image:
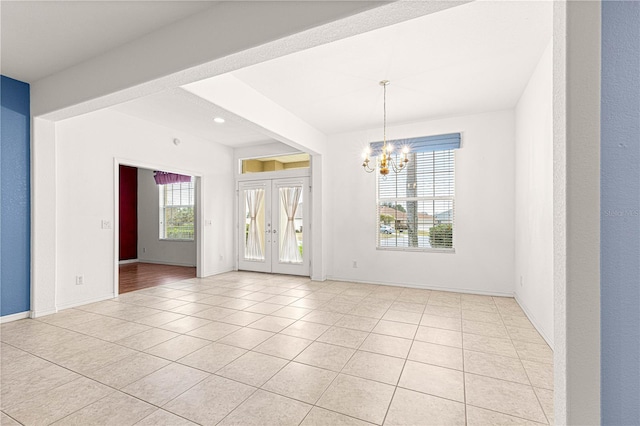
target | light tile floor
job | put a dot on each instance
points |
(255, 349)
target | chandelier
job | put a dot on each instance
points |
(385, 161)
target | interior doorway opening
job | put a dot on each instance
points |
(157, 238)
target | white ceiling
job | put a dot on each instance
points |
(185, 112)
(469, 59)
(40, 38)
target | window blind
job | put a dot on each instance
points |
(416, 208)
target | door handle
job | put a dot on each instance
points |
(275, 231)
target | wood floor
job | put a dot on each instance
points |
(136, 276)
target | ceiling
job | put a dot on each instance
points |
(468, 59)
(465, 60)
(40, 38)
(183, 111)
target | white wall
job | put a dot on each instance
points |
(534, 197)
(150, 247)
(484, 223)
(86, 147)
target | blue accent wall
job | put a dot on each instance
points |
(15, 210)
(620, 215)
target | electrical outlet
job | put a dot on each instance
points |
(521, 281)
(105, 224)
(221, 257)
(355, 264)
(79, 279)
(144, 249)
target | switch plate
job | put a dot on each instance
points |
(79, 279)
(105, 224)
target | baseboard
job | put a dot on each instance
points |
(85, 302)
(320, 278)
(15, 317)
(162, 262)
(218, 272)
(426, 287)
(534, 321)
(127, 261)
(43, 312)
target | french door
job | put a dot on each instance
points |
(273, 234)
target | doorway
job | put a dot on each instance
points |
(274, 221)
(158, 236)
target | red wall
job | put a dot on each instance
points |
(128, 213)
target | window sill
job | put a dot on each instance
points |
(177, 240)
(418, 250)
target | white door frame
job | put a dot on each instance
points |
(199, 212)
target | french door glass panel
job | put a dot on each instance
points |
(255, 232)
(254, 214)
(290, 210)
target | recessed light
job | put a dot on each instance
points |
(219, 120)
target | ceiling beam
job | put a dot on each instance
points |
(227, 37)
(259, 113)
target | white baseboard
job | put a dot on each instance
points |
(15, 317)
(43, 312)
(162, 262)
(85, 301)
(218, 272)
(535, 322)
(125, 262)
(426, 287)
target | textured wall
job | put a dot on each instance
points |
(15, 222)
(620, 214)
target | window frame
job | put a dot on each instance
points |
(162, 211)
(397, 200)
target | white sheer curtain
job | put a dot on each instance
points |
(253, 247)
(289, 251)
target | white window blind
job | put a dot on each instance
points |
(177, 211)
(416, 207)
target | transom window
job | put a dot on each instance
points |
(177, 211)
(415, 208)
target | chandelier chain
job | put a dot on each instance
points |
(384, 109)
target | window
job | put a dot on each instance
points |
(176, 211)
(416, 206)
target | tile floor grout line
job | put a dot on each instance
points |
(464, 371)
(351, 357)
(282, 368)
(289, 362)
(525, 370)
(404, 364)
(506, 414)
(15, 420)
(114, 389)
